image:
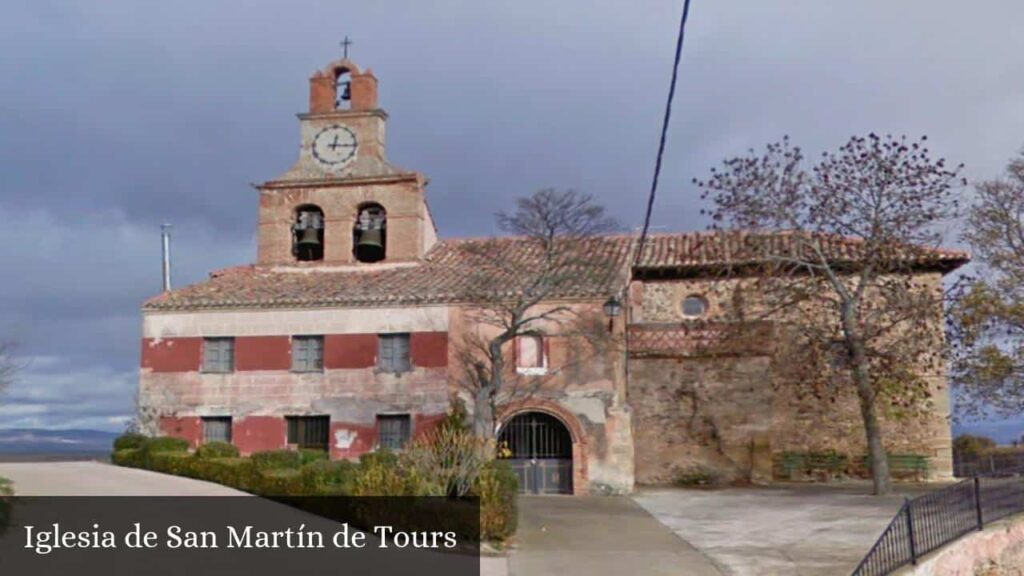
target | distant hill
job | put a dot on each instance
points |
(29, 442)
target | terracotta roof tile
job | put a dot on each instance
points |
(452, 273)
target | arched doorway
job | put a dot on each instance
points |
(541, 452)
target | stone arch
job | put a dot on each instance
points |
(567, 418)
(572, 424)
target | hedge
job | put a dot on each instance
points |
(217, 450)
(277, 459)
(280, 473)
(129, 440)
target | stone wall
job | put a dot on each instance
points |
(998, 550)
(730, 413)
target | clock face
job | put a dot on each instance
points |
(334, 146)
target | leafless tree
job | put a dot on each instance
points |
(528, 292)
(833, 253)
(9, 365)
(987, 320)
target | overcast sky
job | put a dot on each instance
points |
(118, 115)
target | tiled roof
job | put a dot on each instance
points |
(697, 250)
(452, 272)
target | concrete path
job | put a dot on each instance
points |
(800, 530)
(598, 536)
(101, 479)
(98, 479)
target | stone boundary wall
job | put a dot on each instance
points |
(998, 550)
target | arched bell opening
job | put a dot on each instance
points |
(540, 449)
(308, 233)
(369, 235)
(342, 89)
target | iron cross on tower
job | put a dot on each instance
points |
(345, 44)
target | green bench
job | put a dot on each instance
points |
(790, 465)
(903, 465)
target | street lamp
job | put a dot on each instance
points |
(612, 308)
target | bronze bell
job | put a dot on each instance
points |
(371, 246)
(308, 239)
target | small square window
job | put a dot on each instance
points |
(311, 432)
(217, 429)
(218, 355)
(308, 354)
(393, 430)
(393, 353)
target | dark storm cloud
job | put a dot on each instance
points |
(116, 116)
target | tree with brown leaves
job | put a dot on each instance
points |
(987, 320)
(832, 254)
(526, 296)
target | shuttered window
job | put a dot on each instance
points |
(217, 429)
(393, 353)
(309, 431)
(393, 430)
(218, 355)
(308, 353)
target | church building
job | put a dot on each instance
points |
(341, 336)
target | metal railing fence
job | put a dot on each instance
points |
(933, 520)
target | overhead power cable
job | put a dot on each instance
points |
(664, 132)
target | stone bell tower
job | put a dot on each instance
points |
(342, 203)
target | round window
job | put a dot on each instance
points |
(694, 306)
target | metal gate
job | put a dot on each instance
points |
(541, 449)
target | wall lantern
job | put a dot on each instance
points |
(612, 307)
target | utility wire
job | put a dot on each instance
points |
(664, 133)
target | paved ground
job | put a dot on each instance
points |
(597, 536)
(801, 530)
(101, 479)
(96, 479)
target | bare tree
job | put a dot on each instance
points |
(528, 292)
(9, 365)
(987, 320)
(842, 278)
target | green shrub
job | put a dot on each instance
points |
(330, 477)
(6, 491)
(164, 444)
(217, 450)
(385, 473)
(450, 456)
(380, 475)
(280, 482)
(277, 459)
(177, 463)
(971, 446)
(498, 488)
(382, 457)
(238, 473)
(129, 441)
(308, 456)
(130, 457)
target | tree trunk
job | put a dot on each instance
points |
(483, 414)
(866, 395)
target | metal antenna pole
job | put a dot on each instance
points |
(165, 239)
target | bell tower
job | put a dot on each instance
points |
(342, 203)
